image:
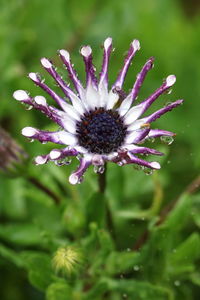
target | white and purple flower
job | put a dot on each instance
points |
(97, 124)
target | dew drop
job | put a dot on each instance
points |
(136, 268)
(168, 103)
(167, 139)
(148, 171)
(31, 140)
(27, 106)
(99, 169)
(177, 283)
(44, 142)
(138, 167)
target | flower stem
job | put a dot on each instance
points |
(102, 180)
(43, 188)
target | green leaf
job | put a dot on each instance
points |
(59, 291)
(11, 256)
(182, 258)
(21, 234)
(39, 269)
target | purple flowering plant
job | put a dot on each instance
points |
(97, 124)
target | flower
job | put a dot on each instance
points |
(97, 125)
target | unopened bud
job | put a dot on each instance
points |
(12, 156)
(67, 259)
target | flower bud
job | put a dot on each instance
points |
(12, 156)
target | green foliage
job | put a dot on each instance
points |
(140, 239)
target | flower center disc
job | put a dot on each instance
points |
(101, 131)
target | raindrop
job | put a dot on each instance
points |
(168, 103)
(177, 283)
(99, 169)
(62, 162)
(27, 106)
(136, 268)
(120, 163)
(169, 91)
(31, 140)
(167, 139)
(44, 142)
(138, 167)
(148, 171)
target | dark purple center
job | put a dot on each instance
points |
(101, 131)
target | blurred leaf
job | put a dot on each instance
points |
(39, 269)
(95, 209)
(11, 256)
(59, 291)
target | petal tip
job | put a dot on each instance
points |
(46, 63)
(155, 165)
(65, 54)
(86, 51)
(107, 43)
(29, 131)
(40, 100)
(170, 80)
(73, 179)
(20, 95)
(136, 45)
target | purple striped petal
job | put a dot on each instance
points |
(47, 65)
(135, 160)
(76, 176)
(64, 55)
(154, 133)
(142, 150)
(135, 46)
(39, 82)
(58, 137)
(86, 52)
(127, 102)
(106, 56)
(162, 111)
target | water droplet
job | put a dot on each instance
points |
(120, 163)
(44, 142)
(148, 171)
(31, 140)
(168, 103)
(62, 161)
(138, 167)
(99, 169)
(136, 268)
(27, 106)
(167, 139)
(177, 283)
(169, 91)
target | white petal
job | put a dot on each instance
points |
(126, 104)
(69, 109)
(80, 149)
(67, 138)
(112, 100)
(131, 136)
(78, 104)
(69, 124)
(103, 93)
(92, 97)
(133, 114)
(136, 125)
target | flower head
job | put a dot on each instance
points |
(67, 259)
(97, 124)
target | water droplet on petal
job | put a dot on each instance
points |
(99, 169)
(167, 139)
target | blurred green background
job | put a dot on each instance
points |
(32, 226)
